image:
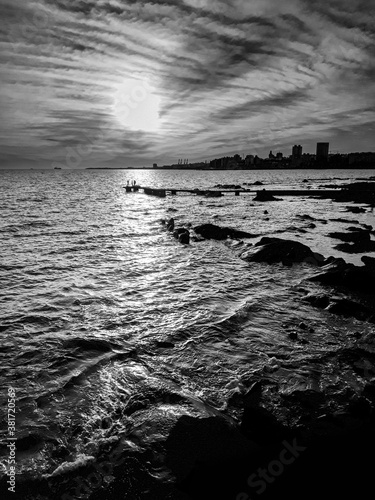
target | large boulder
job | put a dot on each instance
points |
(352, 236)
(348, 276)
(350, 308)
(369, 262)
(272, 250)
(213, 232)
(361, 246)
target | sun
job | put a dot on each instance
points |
(136, 105)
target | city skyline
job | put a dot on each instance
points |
(129, 83)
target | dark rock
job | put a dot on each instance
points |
(164, 345)
(360, 407)
(228, 186)
(369, 262)
(347, 276)
(272, 250)
(212, 232)
(178, 231)
(293, 335)
(349, 308)
(265, 196)
(265, 212)
(358, 247)
(353, 236)
(28, 442)
(195, 441)
(258, 183)
(184, 237)
(321, 301)
(303, 326)
(213, 194)
(261, 426)
(356, 210)
(170, 224)
(345, 221)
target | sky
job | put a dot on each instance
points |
(136, 82)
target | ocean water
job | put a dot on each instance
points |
(111, 330)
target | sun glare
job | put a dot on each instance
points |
(136, 106)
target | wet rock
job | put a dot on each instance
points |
(350, 309)
(28, 442)
(369, 262)
(213, 232)
(356, 210)
(213, 194)
(265, 196)
(261, 426)
(353, 236)
(347, 276)
(196, 442)
(178, 231)
(358, 247)
(164, 344)
(228, 186)
(184, 237)
(360, 407)
(293, 335)
(345, 221)
(321, 301)
(273, 250)
(170, 224)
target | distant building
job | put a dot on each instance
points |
(297, 152)
(271, 156)
(322, 150)
(279, 156)
(154, 165)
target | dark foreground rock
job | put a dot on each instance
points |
(182, 235)
(362, 246)
(213, 232)
(369, 263)
(273, 250)
(341, 306)
(348, 276)
(353, 236)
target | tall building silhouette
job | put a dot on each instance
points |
(322, 150)
(297, 152)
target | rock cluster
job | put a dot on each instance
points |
(213, 232)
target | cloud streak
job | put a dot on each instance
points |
(221, 77)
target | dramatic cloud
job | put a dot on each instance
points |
(130, 82)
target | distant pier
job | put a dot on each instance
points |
(215, 193)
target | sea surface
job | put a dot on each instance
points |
(111, 330)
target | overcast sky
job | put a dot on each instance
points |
(132, 82)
